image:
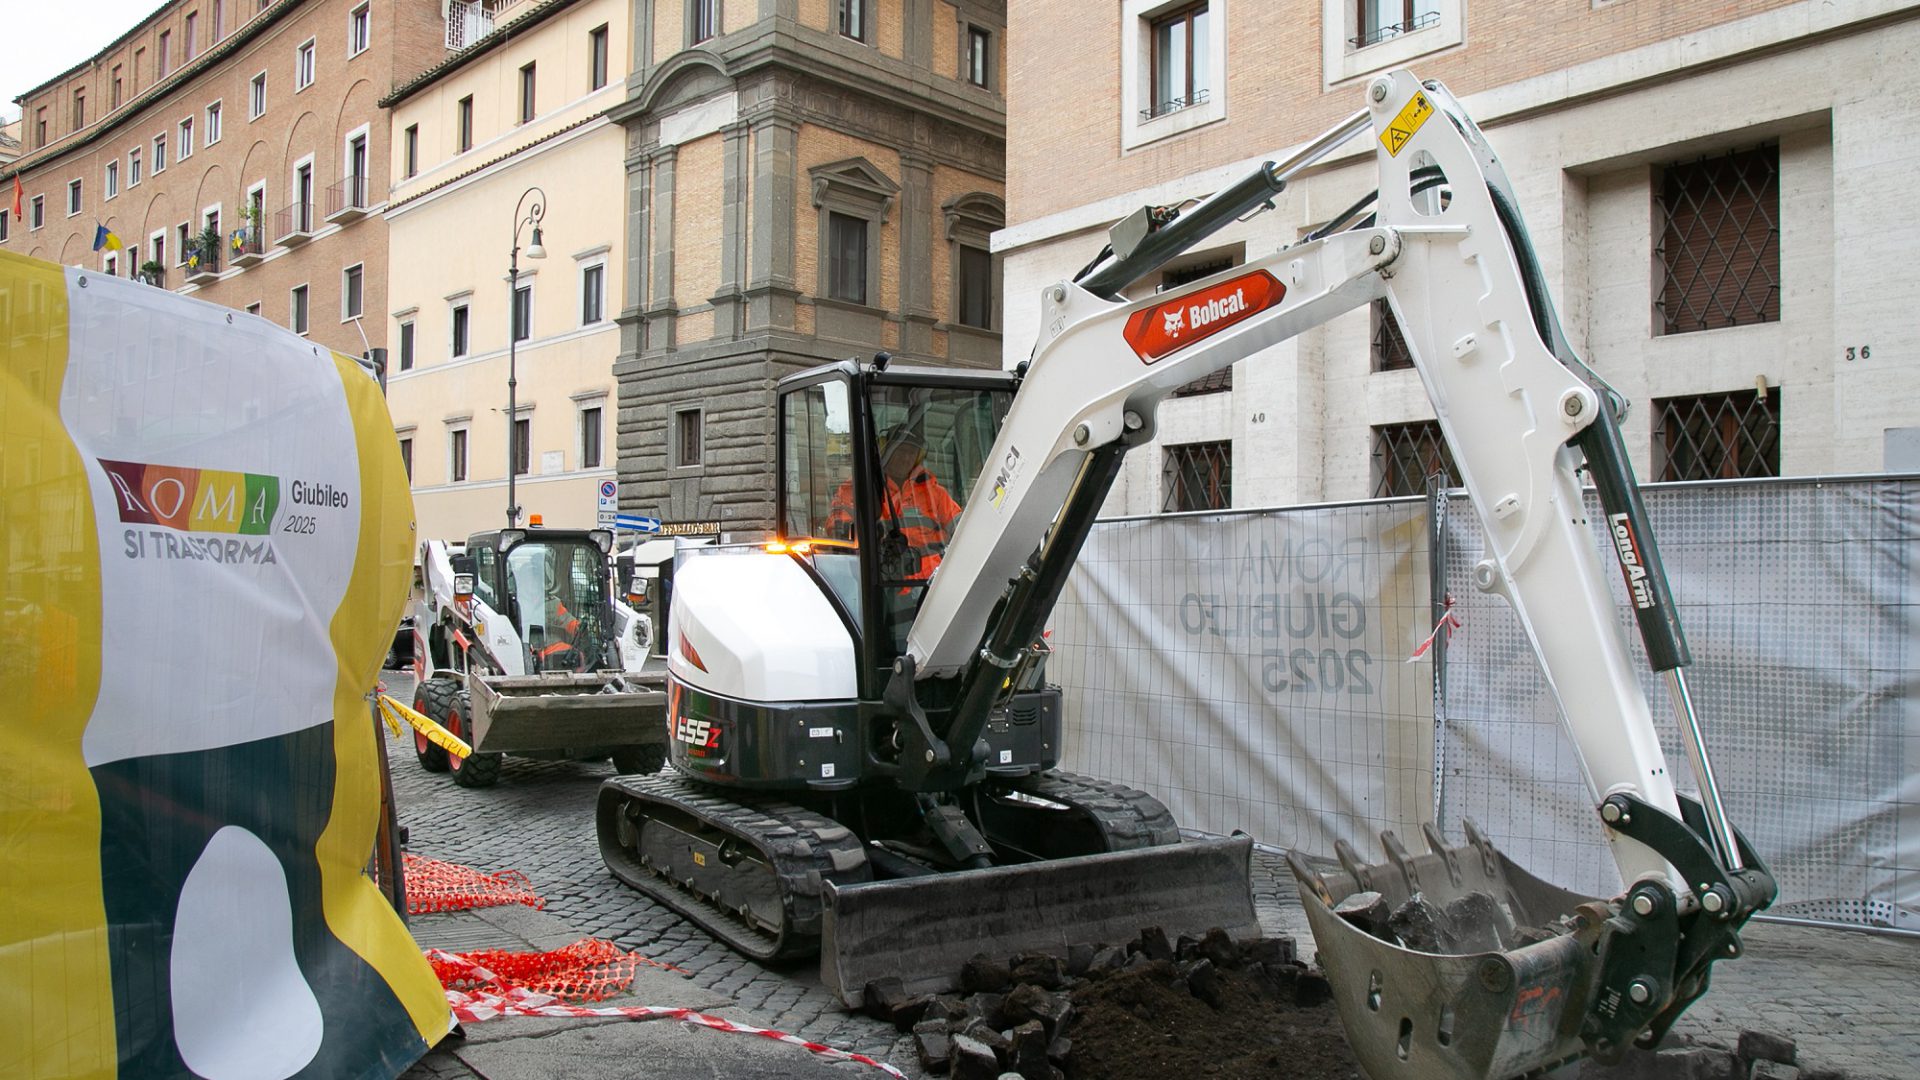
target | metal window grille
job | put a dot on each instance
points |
(1373, 30)
(1198, 476)
(1221, 380)
(687, 452)
(1717, 436)
(522, 446)
(1404, 455)
(1390, 352)
(1719, 252)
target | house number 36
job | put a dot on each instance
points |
(1865, 352)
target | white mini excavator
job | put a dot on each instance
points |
(864, 751)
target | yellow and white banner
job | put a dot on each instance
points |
(208, 536)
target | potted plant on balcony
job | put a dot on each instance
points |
(203, 252)
(152, 271)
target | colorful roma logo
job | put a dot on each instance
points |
(193, 500)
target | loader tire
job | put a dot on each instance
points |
(474, 770)
(431, 700)
(639, 760)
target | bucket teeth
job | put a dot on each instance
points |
(1459, 968)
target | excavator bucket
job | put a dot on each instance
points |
(1452, 965)
(923, 929)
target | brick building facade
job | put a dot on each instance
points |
(1710, 188)
(237, 151)
(807, 180)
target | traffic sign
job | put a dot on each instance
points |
(609, 495)
(636, 523)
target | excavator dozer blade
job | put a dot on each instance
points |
(1494, 985)
(924, 929)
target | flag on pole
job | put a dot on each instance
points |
(102, 238)
(19, 193)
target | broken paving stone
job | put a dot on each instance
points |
(1079, 959)
(1218, 947)
(973, 1060)
(986, 1007)
(1273, 952)
(1153, 944)
(1029, 1002)
(1046, 972)
(1704, 1063)
(1203, 982)
(1476, 924)
(1028, 1055)
(1766, 1046)
(1419, 925)
(1773, 1070)
(883, 996)
(986, 1034)
(945, 1008)
(983, 973)
(1108, 958)
(1186, 948)
(933, 1045)
(1366, 910)
(1059, 1049)
(911, 1012)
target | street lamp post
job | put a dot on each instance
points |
(531, 216)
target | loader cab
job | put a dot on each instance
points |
(874, 466)
(551, 587)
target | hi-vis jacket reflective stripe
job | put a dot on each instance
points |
(924, 509)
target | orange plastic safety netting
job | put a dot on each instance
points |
(433, 886)
(587, 970)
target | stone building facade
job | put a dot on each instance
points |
(516, 119)
(249, 124)
(807, 180)
(1711, 188)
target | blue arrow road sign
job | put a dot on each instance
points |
(636, 523)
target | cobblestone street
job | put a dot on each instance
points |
(1846, 998)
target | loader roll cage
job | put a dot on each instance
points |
(551, 584)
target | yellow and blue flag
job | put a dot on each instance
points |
(105, 238)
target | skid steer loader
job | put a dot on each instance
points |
(521, 648)
(864, 741)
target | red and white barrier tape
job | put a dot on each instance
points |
(520, 1002)
(1449, 622)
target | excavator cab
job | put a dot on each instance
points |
(876, 463)
(551, 585)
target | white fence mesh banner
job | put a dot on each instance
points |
(1799, 600)
(1249, 669)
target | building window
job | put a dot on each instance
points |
(457, 455)
(410, 150)
(213, 123)
(111, 265)
(352, 292)
(975, 288)
(979, 56)
(139, 64)
(297, 316)
(157, 245)
(253, 308)
(133, 167)
(1717, 436)
(6, 218)
(1197, 476)
(1719, 254)
(459, 326)
(302, 197)
(852, 17)
(526, 93)
(846, 258)
(703, 20)
(465, 123)
(185, 150)
(590, 438)
(593, 279)
(406, 346)
(597, 58)
(359, 30)
(219, 23)
(113, 178)
(257, 96)
(687, 435)
(1379, 20)
(159, 154)
(163, 62)
(522, 312)
(186, 50)
(79, 109)
(73, 197)
(182, 243)
(1404, 455)
(522, 445)
(303, 66)
(39, 213)
(40, 126)
(1389, 346)
(113, 95)
(406, 458)
(1179, 75)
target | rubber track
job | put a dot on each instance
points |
(1129, 818)
(803, 848)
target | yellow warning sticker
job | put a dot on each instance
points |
(1406, 124)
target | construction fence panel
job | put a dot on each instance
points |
(1799, 601)
(1250, 668)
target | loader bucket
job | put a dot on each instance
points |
(1500, 985)
(924, 929)
(554, 711)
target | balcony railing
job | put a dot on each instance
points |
(294, 225)
(467, 22)
(203, 265)
(246, 247)
(347, 200)
(1394, 30)
(1174, 105)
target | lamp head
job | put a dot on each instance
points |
(535, 251)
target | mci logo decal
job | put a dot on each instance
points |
(1157, 331)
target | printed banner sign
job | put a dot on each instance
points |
(209, 536)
